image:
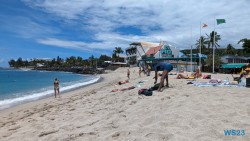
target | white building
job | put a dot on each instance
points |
(235, 59)
(165, 52)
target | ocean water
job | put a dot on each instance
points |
(20, 86)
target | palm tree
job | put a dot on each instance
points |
(230, 50)
(245, 45)
(203, 42)
(213, 38)
(71, 61)
(79, 61)
(91, 59)
(59, 61)
(117, 51)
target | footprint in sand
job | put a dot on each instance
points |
(15, 128)
(193, 124)
(248, 110)
(159, 137)
(47, 133)
(120, 134)
(133, 102)
(90, 133)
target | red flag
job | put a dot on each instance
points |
(204, 25)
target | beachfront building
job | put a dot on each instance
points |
(121, 62)
(137, 50)
(162, 52)
(171, 54)
(235, 59)
(234, 64)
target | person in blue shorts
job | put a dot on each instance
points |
(166, 68)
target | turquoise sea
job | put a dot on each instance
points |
(21, 86)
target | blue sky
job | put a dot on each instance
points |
(51, 28)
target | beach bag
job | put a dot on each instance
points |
(141, 91)
(248, 82)
(145, 92)
(148, 93)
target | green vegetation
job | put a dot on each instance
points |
(230, 50)
(207, 49)
(245, 45)
(61, 63)
(212, 40)
(116, 53)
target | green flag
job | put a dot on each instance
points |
(220, 21)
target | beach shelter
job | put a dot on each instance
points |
(238, 67)
(233, 66)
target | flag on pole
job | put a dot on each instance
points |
(220, 21)
(204, 25)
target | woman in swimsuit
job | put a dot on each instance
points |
(56, 87)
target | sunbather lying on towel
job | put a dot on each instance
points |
(123, 89)
(123, 82)
(183, 76)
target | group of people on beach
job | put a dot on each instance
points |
(161, 66)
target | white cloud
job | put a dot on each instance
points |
(63, 43)
(24, 27)
(172, 19)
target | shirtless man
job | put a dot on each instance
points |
(166, 68)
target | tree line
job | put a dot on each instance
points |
(68, 62)
(60, 62)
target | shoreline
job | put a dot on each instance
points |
(180, 112)
(15, 102)
(45, 99)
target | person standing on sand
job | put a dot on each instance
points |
(56, 87)
(166, 68)
(140, 71)
(128, 74)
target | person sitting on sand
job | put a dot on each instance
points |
(239, 78)
(166, 68)
(198, 73)
(242, 81)
(56, 87)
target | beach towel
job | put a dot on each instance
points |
(207, 84)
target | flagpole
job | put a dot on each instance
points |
(200, 49)
(191, 60)
(214, 44)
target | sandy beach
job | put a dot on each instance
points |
(180, 113)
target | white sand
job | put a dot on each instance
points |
(94, 113)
